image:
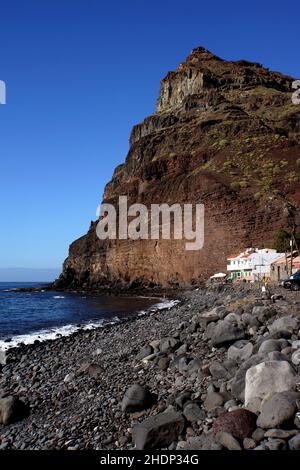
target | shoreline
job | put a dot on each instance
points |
(74, 386)
(57, 332)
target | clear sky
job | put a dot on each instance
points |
(79, 75)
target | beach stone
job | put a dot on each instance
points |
(275, 444)
(296, 344)
(225, 333)
(94, 370)
(294, 443)
(194, 366)
(287, 351)
(249, 443)
(183, 398)
(239, 423)
(233, 318)
(209, 332)
(230, 404)
(263, 313)
(269, 345)
(227, 441)
(193, 412)
(240, 351)
(163, 363)
(288, 323)
(281, 433)
(258, 434)
(144, 352)
(182, 349)
(182, 364)
(69, 377)
(12, 409)
(212, 400)
(136, 398)
(208, 317)
(218, 371)
(97, 352)
(277, 356)
(249, 320)
(203, 442)
(155, 345)
(158, 431)
(167, 344)
(297, 420)
(278, 410)
(265, 378)
(238, 383)
(296, 357)
(149, 358)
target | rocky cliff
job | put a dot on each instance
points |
(225, 134)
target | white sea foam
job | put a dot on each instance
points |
(67, 330)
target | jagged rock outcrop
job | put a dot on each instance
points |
(225, 134)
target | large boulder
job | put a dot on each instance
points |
(158, 431)
(136, 398)
(267, 378)
(239, 423)
(238, 383)
(288, 323)
(226, 333)
(12, 409)
(278, 410)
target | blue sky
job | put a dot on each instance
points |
(79, 75)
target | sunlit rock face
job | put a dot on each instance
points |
(225, 134)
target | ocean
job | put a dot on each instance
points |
(29, 316)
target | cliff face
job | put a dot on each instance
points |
(225, 134)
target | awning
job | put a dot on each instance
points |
(218, 275)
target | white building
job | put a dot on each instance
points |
(252, 264)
